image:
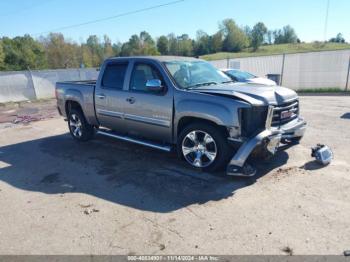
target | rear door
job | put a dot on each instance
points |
(148, 114)
(110, 96)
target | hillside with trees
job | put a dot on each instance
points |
(55, 51)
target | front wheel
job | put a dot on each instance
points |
(203, 146)
(79, 128)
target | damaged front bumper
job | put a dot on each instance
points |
(271, 138)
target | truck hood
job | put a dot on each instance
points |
(254, 94)
(262, 81)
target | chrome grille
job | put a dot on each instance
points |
(291, 109)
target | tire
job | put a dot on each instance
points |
(79, 128)
(194, 142)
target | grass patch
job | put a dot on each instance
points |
(19, 103)
(322, 90)
(279, 49)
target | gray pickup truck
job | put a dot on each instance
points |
(184, 104)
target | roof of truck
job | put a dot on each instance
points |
(160, 58)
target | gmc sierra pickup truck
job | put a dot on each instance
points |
(184, 104)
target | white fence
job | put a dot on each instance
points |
(30, 85)
(298, 71)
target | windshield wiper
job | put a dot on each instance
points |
(203, 84)
(229, 81)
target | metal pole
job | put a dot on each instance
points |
(32, 81)
(228, 62)
(282, 69)
(326, 22)
(347, 77)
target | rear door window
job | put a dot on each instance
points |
(114, 76)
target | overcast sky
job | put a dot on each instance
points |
(18, 17)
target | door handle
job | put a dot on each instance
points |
(101, 96)
(131, 100)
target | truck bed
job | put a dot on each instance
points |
(83, 94)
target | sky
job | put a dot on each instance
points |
(38, 17)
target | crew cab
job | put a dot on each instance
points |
(185, 104)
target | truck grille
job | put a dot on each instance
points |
(284, 113)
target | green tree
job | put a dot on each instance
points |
(163, 45)
(85, 56)
(2, 56)
(173, 44)
(97, 51)
(142, 44)
(257, 35)
(216, 42)
(60, 53)
(22, 53)
(286, 35)
(184, 45)
(338, 39)
(269, 37)
(107, 47)
(202, 43)
(117, 48)
(132, 46)
(148, 45)
(248, 32)
(234, 38)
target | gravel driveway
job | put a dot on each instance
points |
(58, 196)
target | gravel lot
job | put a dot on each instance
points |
(109, 197)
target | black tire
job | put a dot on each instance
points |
(224, 151)
(87, 131)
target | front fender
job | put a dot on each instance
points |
(218, 112)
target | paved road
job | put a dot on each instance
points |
(108, 197)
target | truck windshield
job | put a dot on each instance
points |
(193, 74)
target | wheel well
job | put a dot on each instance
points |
(72, 105)
(185, 121)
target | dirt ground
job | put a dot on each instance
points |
(58, 196)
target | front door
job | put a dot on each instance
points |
(148, 114)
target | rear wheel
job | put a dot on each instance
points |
(79, 128)
(203, 146)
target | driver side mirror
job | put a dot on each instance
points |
(154, 85)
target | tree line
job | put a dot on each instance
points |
(54, 51)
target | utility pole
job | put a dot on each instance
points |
(326, 22)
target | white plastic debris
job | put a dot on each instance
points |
(322, 153)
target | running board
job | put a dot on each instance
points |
(135, 141)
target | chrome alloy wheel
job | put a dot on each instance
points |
(199, 149)
(76, 125)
